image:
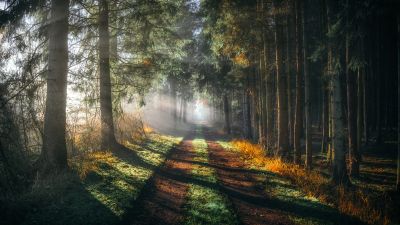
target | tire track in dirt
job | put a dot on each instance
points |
(242, 187)
(163, 198)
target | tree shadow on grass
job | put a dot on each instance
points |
(290, 206)
(152, 146)
(295, 206)
(129, 156)
(64, 201)
(299, 208)
(73, 201)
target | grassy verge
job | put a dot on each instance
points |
(206, 205)
(354, 202)
(97, 190)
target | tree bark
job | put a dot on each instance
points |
(289, 14)
(298, 123)
(378, 85)
(174, 113)
(107, 124)
(185, 111)
(359, 113)
(366, 95)
(351, 104)
(325, 86)
(54, 151)
(283, 139)
(398, 104)
(307, 99)
(339, 170)
(325, 118)
(248, 113)
(255, 104)
(269, 96)
(227, 126)
(262, 96)
(339, 174)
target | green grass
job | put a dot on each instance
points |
(206, 205)
(98, 190)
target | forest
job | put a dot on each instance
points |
(192, 112)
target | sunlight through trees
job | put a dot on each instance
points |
(298, 92)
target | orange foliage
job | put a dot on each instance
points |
(241, 59)
(351, 201)
(147, 62)
(89, 162)
(147, 129)
(130, 128)
(256, 156)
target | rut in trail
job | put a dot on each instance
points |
(163, 198)
(242, 186)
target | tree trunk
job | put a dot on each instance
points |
(181, 109)
(283, 139)
(227, 126)
(398, 103)
(243, 105)
(325, 119)
(359, 113)
(265, 73)
(107, 124)
(307, 105)
(339, 170)
(172, 83)
(339, 174)
(298, 123)
(269, 96)
(254, 105)
(364, 99)
(351, 105)
(247, 116)
(54, 151)
(365, 106)
(378, 85)
(185, 111)
(289, 70)
(330, 114)
(262, 96)
(325, 86)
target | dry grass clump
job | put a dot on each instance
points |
(353, 201)
(358, 203)
(89, 162)
(130, 128)
(86, 139)
(86, 136)
(313, 183)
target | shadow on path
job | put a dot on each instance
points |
(164, 195)
(250, 200)
(161, 200)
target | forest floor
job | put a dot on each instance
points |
(203, 182)
(196, 179)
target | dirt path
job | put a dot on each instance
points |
(243, 188)
(163, 198)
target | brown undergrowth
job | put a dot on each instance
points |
(354, 201)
